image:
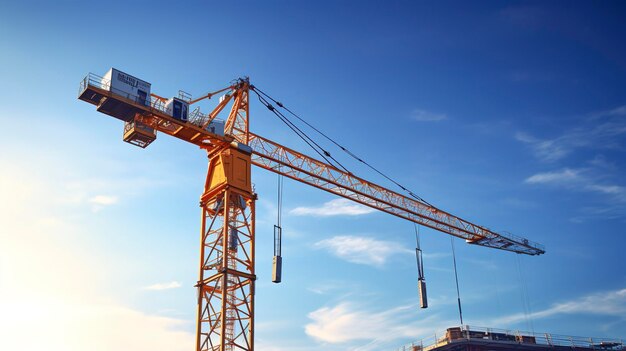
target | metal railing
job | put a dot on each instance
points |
(94, 81)
(99, 82)
(513, 336)
(522, 240)
(196, 117)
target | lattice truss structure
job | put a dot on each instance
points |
(277, 158)
(226, 282)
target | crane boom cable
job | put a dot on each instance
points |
(295, 130)
(315, 146)
(343, 148)
(320, 150)
(418, 253)
(280, 199)
(456, 278)
(525, 296)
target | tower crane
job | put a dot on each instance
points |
(226, 281)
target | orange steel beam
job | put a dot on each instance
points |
(269, 155)
(158, 97)
(210, 95)
(282, 160)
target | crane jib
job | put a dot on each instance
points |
(270, 155)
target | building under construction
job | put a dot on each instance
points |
(465, 338)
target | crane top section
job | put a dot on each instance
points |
(131, 100)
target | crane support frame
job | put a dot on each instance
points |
(226, 281)
(225, 314)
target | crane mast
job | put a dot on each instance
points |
(225, 317)
(226, 281)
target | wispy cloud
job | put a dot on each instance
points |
(99, 202)
(337, 207)
(103, 200)
(325, 288)
(115, 327)
(362, 250)
(546, 150)
(37, 232)
(320, 289)
(601, 130)
(354, 327)
(608, 303)
(427, 116)
(347, 322)
(557, 177)
(618, 111)
(163, 286)
(579, 180)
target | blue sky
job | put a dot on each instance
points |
(509, 114)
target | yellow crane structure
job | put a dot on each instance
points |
(226, 281)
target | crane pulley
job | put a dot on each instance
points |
(226, 282)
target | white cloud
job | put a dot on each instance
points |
(42, 233)
(608, 303)
(163, 286)
(349, 326)
(346, 322)
(99, 202)
(608, 189)
(426, 116)
(579, 180)
(337, 207)
(564, 176)
(103, 200)
(87, 325)
(362, 250)
(602, 130)
(547, 150)
(322, 289)
(618, 111)
(75, 313)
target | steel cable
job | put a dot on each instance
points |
(346, 150)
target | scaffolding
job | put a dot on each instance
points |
(511, 339)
